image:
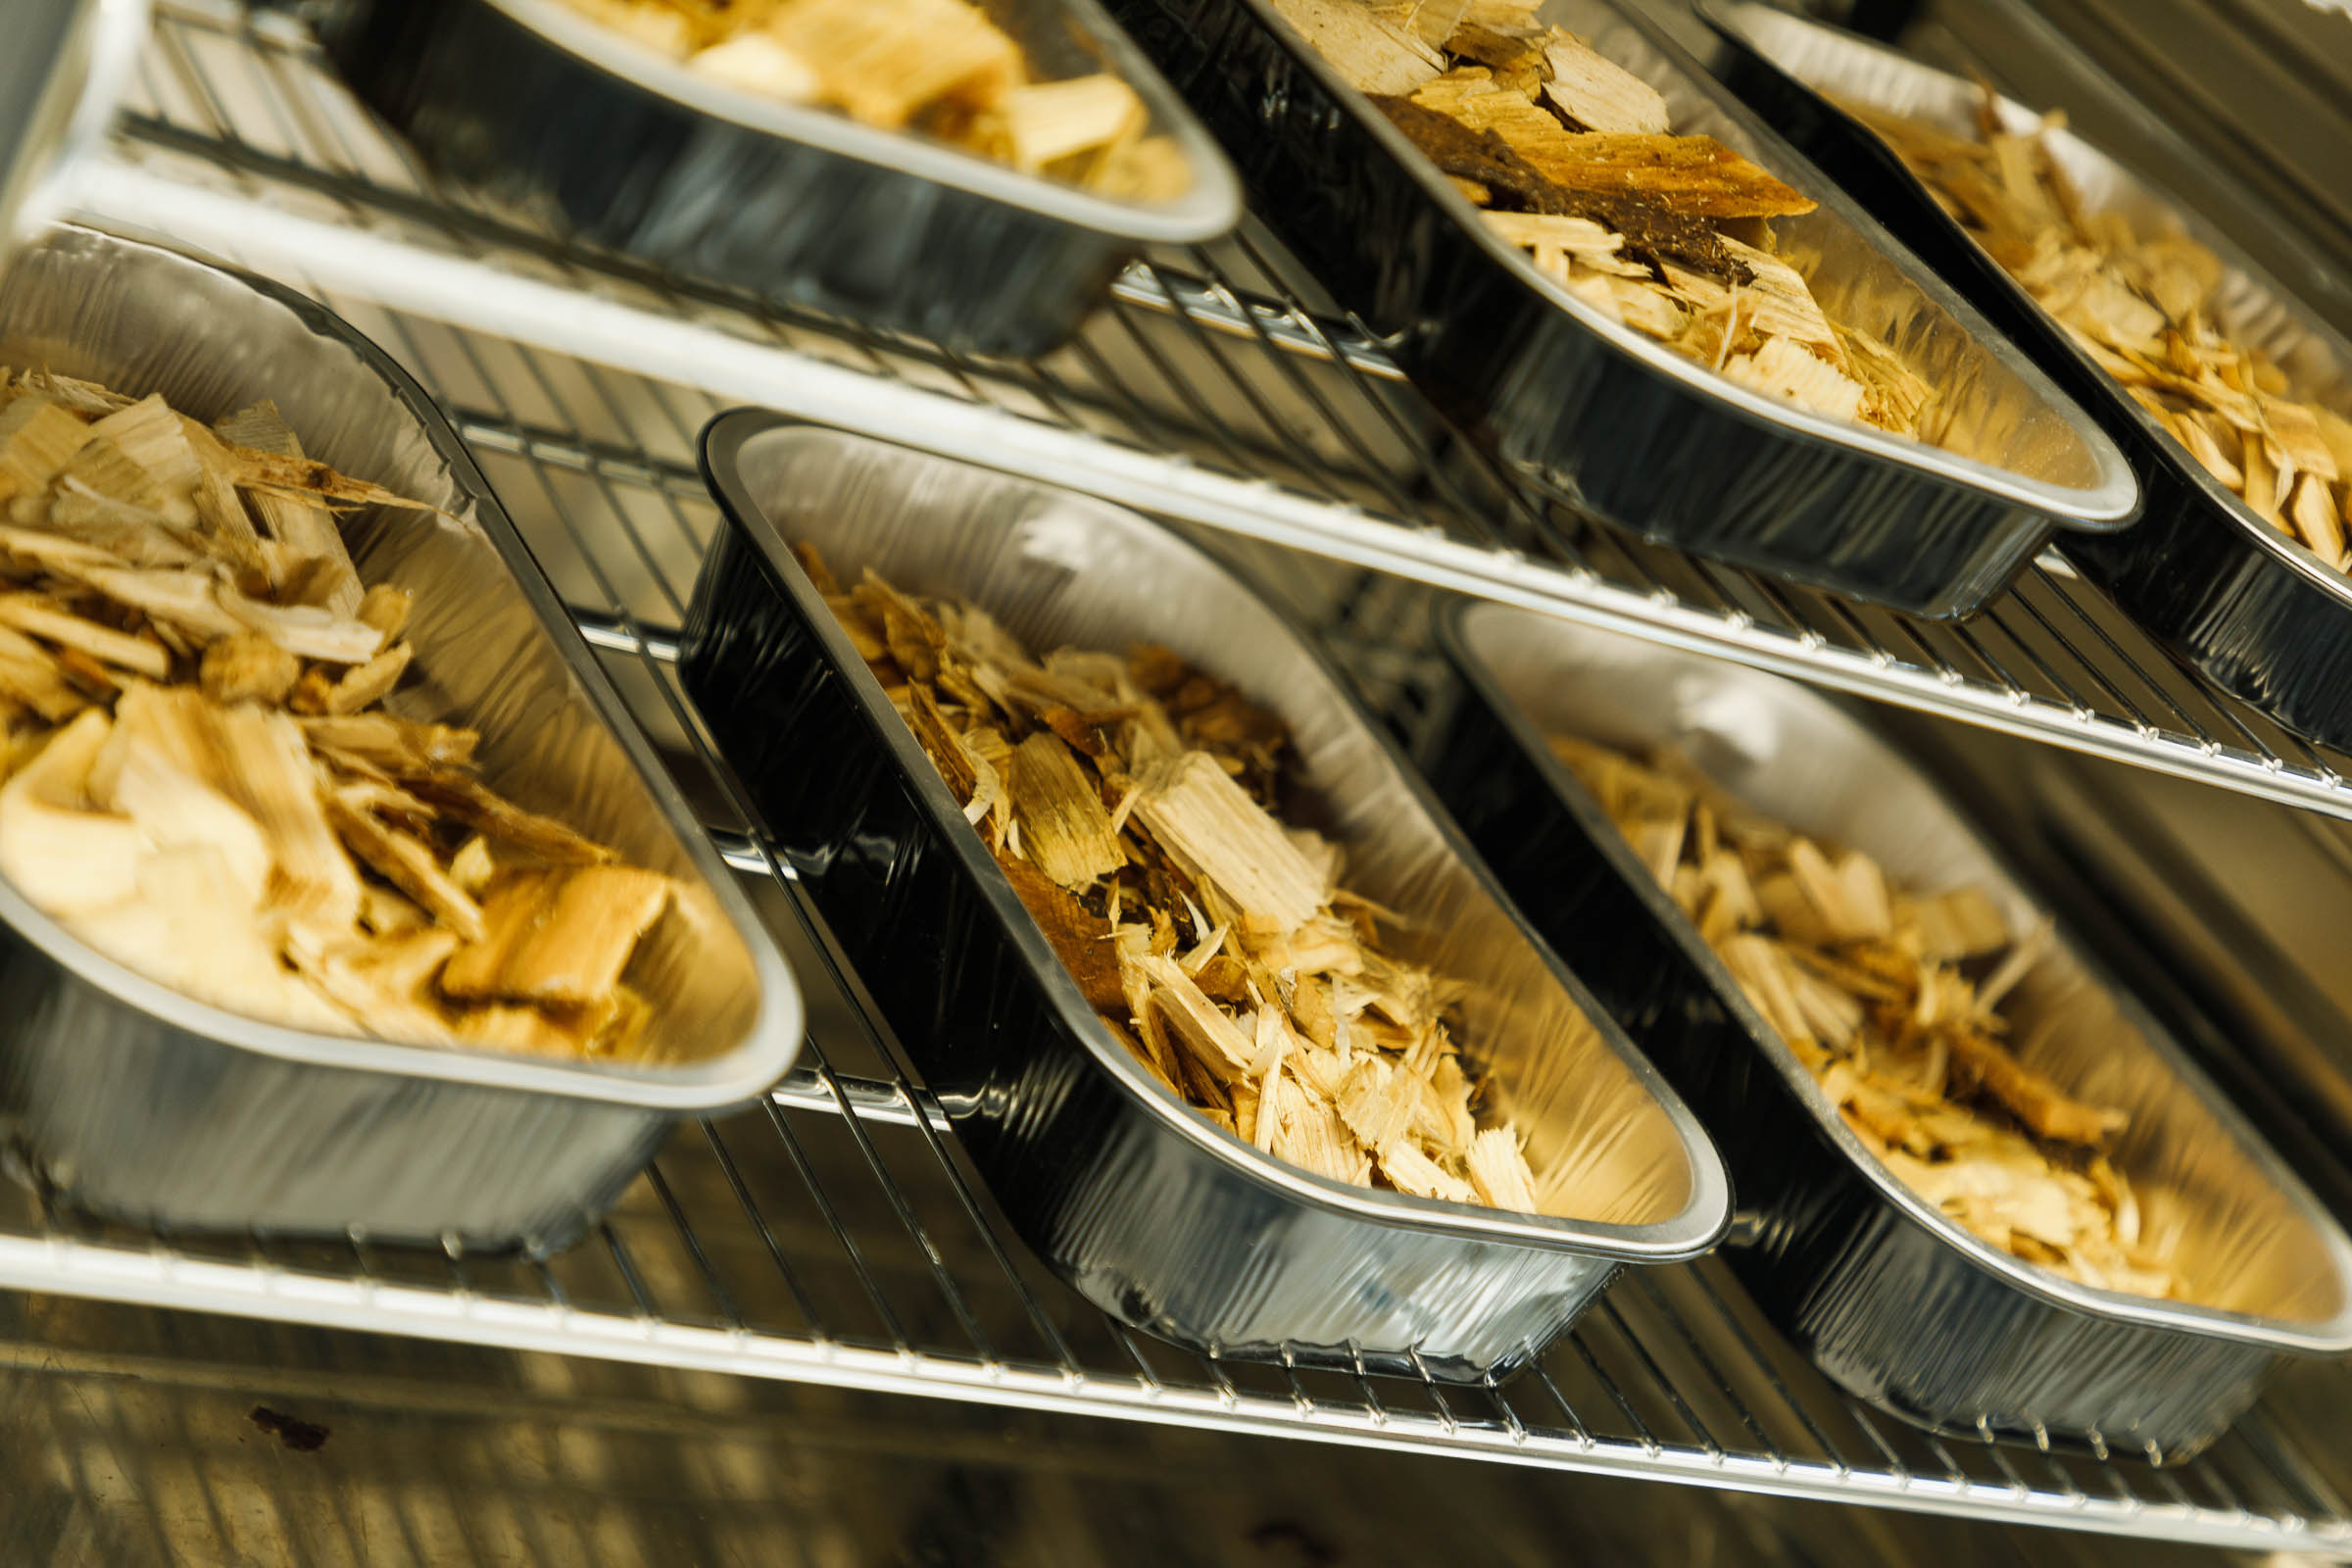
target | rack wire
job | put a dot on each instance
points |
(1216, 387)
(834, 1235)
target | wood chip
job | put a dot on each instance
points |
(884, 60)
(558, 936)
(1065, 826)
(1371, 54)
(1783, 367)
(1224, 839)
(38, 437)
(164, 801)
(1216, 942)
(1050, 123)
(244, 666)
(1864, 981)
(1598, 94)
(2147, 309)
(39, 615)
(409, 864)
(281, 495)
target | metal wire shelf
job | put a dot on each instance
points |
(1209, 390)
(834, 1236)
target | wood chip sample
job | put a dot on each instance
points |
(558, 936)
(302, 524)
(1866, 982)
(1371, 53)
(2151, 310)
(1129, 801)
(942, 68)
(1595, 93)
(197, 779)
(1065, 826)
(1551, 140)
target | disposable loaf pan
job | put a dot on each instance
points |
(1144, 1207)
(143, 1104)
(1633, 432)
(2254, 610)
(551, 113)
(1892, 1300)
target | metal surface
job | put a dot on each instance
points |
(853, 1252)
(146, 1102)
(1635, 432)
(567, 123)
(61, 79)
(1147, 1210)
(1892, 1299)
(2259, 613)
(131, 1441)
(1183, 398)
(836, 1237)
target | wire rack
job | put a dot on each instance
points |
(833, 1235)
(1217, 387)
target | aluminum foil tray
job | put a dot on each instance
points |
(1896, 1303)
(140, 1103)
(1629, 431)
(2254, 610)
(1146, 1209)
(567, 124)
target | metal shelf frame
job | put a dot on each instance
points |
(833, 1235)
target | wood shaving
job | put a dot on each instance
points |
(2149, 309)
(1891, 999)
(938, 67)
(1134, 806)
(1573, 161)
(198, 780)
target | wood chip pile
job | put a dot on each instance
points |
(1892, 1000)
(937, 67)
(2147, 309)
(1132, 802)
(201, 781)
(1572, 160)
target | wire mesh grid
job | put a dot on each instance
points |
(835, 1235)
(1216, 387)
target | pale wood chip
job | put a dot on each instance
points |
(1210, 826)
(39, 616)
(883, 60)
(38, 438)
(1370, 53)
(1499, 1171)
(1600, 94)
(1783, 367)
(1065, 828)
